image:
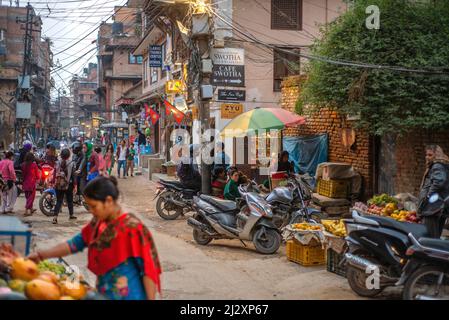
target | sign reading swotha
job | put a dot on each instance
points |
(229, 67)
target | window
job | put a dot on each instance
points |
(164, 59)
(2, 35)
(153, 75)
(145, 73)
(286, 14)
(284, 64)
(134, 59)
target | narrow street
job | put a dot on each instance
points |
(222, 270)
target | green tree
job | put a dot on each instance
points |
(411, 35)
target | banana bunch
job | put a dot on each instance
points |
(306, 226)
(336, 227)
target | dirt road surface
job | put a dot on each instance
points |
(224, 269)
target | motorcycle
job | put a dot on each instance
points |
(290, 203)
(426, 274)
(251, 219)
(47, 202)
(47, 172)
(377, 244)
(174, 199)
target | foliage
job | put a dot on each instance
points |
(411, 35)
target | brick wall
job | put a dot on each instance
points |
(410, 158)
(330, 122)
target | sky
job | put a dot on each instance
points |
(66, 23)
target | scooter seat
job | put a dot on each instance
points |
(418, 230)
(178, 186)
(435, 243)
(225, 205)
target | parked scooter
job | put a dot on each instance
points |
(426, 274)
(377, 243)
(174, 199)
(222, 219)
(289, 203)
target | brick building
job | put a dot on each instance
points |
(392, 164)
(11, 61)
(118, 69)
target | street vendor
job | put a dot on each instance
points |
(435, 180)
(121, 250)
(231, 190)
(284, 164)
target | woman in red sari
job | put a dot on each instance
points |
(121, 250)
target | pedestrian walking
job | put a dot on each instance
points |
(101, 162)
(122, 155)
(9, 191)
(93, 164)
(121, 250)
(109, 158)
(65, 184)
(31, 175)
(435, 180)
(130, 160)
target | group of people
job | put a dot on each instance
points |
(75, 167)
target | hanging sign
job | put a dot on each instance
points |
(228, 67)
(156, 56)
(231, 110)
(174, 86)
(231, 95)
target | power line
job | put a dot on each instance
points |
(436, 71)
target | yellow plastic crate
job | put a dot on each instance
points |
(334, 188)
(305, 255)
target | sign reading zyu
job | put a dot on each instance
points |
(229, 67)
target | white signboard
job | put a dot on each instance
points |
(23, 110)
(228, 56)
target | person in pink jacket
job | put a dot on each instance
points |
(8, 174)
(31, 174)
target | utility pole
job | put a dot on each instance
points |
(201, 25)
(26, 72)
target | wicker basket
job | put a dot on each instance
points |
(305, 255)
(334, 188)
(333, 263)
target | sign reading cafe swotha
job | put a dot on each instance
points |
(228, 67)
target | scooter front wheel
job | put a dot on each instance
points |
(167, 210)
(267, 241)
(47, 204)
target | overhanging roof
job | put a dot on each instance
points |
(149, 39)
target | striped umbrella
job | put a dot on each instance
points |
(261, 119)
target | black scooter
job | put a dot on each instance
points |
(426, 274)
(174, 199)
(377, 251)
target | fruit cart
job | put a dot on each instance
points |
(22, 279)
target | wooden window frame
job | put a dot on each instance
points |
(275, 89)
(300, 18)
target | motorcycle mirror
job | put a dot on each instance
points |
(434, 198)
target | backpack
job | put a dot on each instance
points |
(62, 178)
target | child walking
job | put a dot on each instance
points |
(31, 175)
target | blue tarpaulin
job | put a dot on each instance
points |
(306, 152)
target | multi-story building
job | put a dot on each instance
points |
(85, 101)
(269, 35)
(12, 33)
(118, 68)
